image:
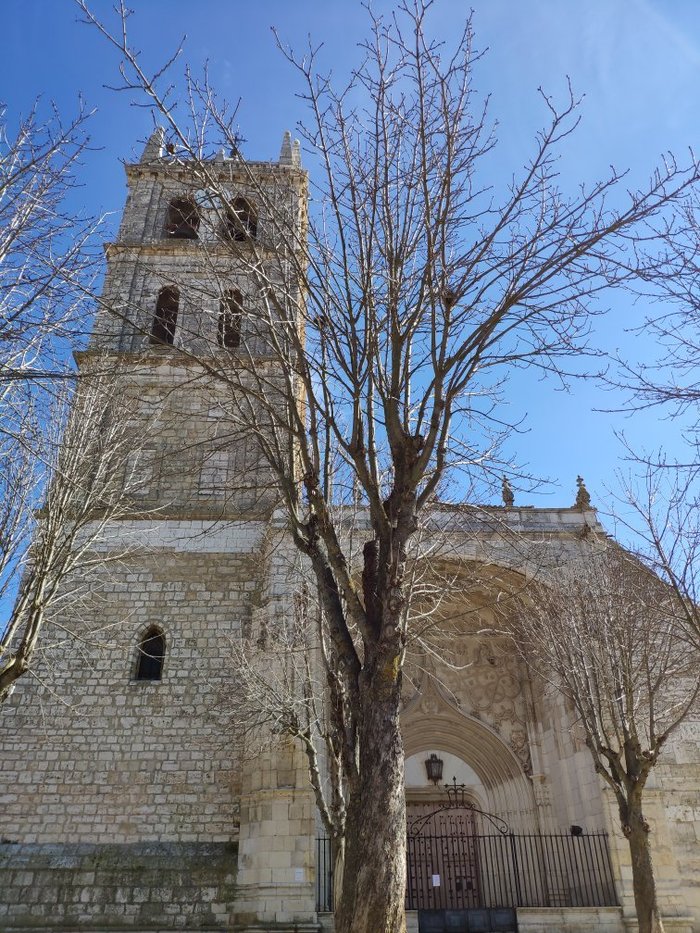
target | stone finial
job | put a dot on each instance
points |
(296, 154)
(153, 149)
(583, 497)
(286, 150)
(507, 493)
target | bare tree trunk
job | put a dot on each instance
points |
(636, 829)
(338, 873)
(8, 677)
(374, 874)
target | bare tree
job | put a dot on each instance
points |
(63, 487)
(661, 508)
(613, 638)
(46, 266)
(668, 378)
(62, 459)
(391, 317)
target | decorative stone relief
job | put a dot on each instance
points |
(486, 685)
(543, 796)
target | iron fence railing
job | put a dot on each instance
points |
(498, 870)
(324, 874)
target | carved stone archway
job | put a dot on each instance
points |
(431, 721)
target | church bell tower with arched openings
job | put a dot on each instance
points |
(184, 312)
(138, 780)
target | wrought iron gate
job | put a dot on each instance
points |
(442, 863)
(453, 869)
(496, 870)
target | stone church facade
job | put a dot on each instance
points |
(124, 804)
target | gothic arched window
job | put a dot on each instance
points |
(182, 222)
(230, 315)
(241, 220)
(151, 655)
(165, 318)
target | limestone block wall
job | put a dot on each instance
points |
(90, 754)
(191, 456)
(103, 767)
(277, 848)
(273, 192)
(677, 793)
(277, 841)
(136, 275)
(575, 790)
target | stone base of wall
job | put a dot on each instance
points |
(311, 927)
(326, 922)
(145, 887)
(280, 928)
(570, 919)
(275, 907)
(671, 925)
(540, 920)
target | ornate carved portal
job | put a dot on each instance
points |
(497, 780)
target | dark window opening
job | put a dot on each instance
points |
(182, 222)
(230, 316)
(241, 221)
(151, 656)
(165, 319)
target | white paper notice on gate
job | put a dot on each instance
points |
(436, 881)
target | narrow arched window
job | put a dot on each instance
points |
(241, 220)
(230, 316)
(182, 222)
(151, 655)
(165, 318)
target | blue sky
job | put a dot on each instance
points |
(636, 61)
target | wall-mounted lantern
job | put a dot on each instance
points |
(433, 767)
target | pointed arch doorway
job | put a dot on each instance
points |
(468, 846)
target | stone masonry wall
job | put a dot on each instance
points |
(678, 793)
(93, 755)
(108, 887)
(120, 798)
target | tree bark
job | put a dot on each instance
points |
(636, 829)
(9, 675)
(374, 874)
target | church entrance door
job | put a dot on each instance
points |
(443, 864)
(444, 872)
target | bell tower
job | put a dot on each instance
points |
(185, 312)
(155, 801)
